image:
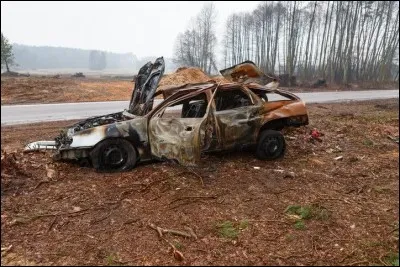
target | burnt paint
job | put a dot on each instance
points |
(228, 129)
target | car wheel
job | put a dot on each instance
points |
(113, 155)
(271, 145)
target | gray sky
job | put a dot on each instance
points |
(143, 28)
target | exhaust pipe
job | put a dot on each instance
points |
(40, 145)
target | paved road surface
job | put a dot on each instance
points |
(21, 114)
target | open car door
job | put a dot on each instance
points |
(145, 87)
(183, 128)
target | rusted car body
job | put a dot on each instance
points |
(192, 119)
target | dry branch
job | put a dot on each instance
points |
(162, 231)
(191, 232)
(177, 254)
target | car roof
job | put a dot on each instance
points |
(191, 87)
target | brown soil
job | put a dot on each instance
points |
(35, 89)
(183, 76)
(24, 90)
(58, 213)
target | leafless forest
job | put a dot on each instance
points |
(339, 41)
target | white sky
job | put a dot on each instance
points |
(143, 28)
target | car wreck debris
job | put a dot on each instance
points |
(193, 119)
(315, 135)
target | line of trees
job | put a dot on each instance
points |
(339, 41)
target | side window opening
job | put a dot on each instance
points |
(261, 95)
(231, 99)
(276, 97)
(270, 96)
(194, 107)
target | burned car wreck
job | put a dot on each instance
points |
(191, 120)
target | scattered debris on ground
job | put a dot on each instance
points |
(305, 209)
(315, 135)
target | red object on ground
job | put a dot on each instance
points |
(315, 134)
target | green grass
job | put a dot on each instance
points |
(243, 224)
(392, 259)
(230, 230)
(307, 212)
(303, 212)
(317, 212)
(227, 230)
(112, 260)
(177, 244)
(299, 225)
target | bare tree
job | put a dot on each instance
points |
(196, 46)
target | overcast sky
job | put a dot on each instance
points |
(143, 28)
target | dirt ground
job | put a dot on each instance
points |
(37, 89)
(304, 209)
(28, 90)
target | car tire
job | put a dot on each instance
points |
(271, 145)
(113, 155)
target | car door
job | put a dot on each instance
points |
(238, 116)
(179, 135)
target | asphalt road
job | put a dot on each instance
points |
(22, 114)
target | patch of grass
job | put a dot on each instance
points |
(177, 244)
(304, 212)
(317, 212)
(112, 260)
(227, 230)
(392, 259)
(320, 213)
(299, 225)
(230, 230)
(243, 224)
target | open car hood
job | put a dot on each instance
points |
(242, 72)
(146, 84)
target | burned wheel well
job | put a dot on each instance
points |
(277, 125)
(130, 139)
(132, 136)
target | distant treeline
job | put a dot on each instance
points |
(48, 57)
(338, 41)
